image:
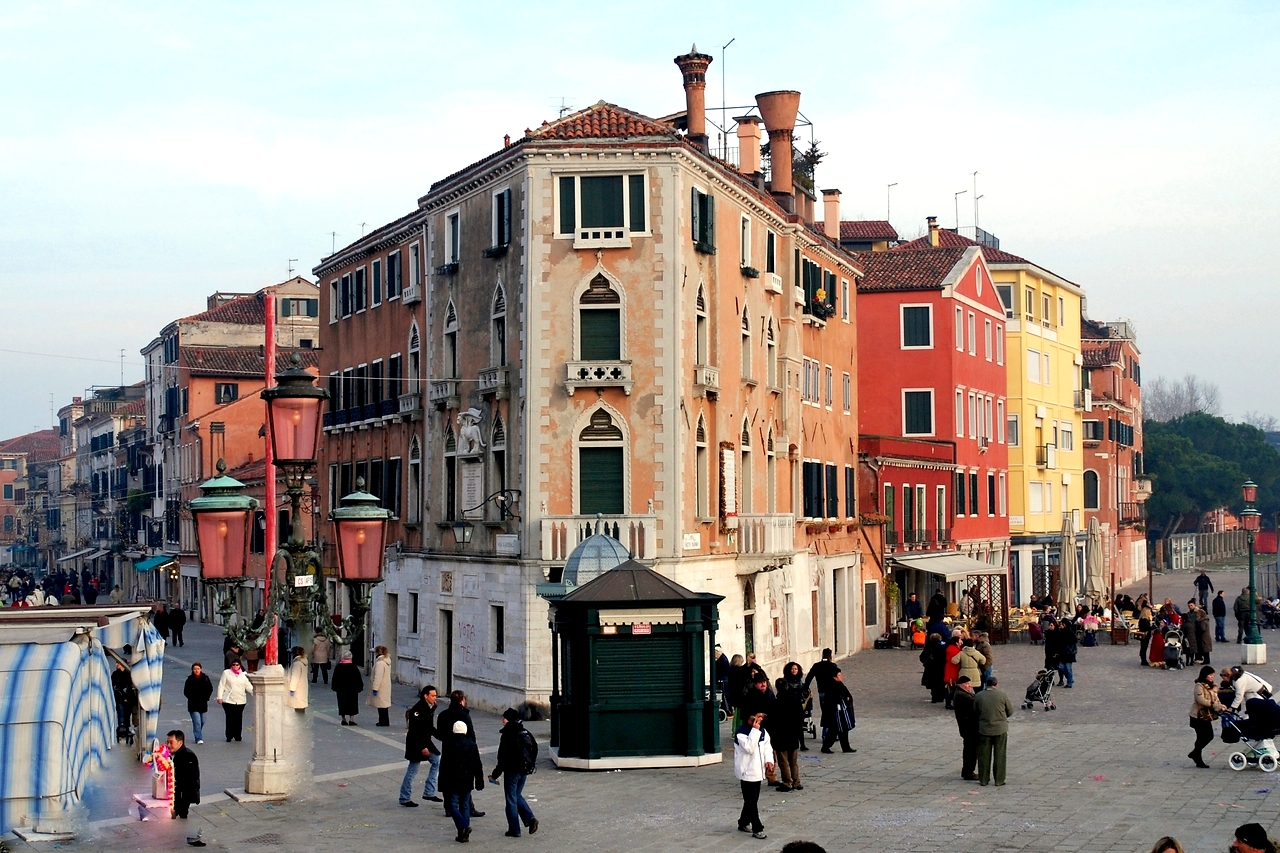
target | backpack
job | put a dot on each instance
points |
(528, 752)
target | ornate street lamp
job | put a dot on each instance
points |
(1250, 520)
(223, 518)
(360, 533)
(293, 412)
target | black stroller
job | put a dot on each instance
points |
(1040, 691)
(1172, 648)
(1256, 735)
(126, 703)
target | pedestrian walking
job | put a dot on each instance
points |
(160, 620)
(934, 657)
(186, 774)
(348, 684)
(517, 758)
(198, 688)
(994, 710)
(320, 657)
(752, 759)
(116, 596)
(793, 673)
(1205, 708)
(824, 672)
(1241, 607)
(1220, 617)
(983, 647)
(1252, 838)
(177, 621)
(1199, 626)
(1204, 585)
(460, 773)
(419, 747)
(1190, 642)
(1066, 648)
(233, 694)
(966, 709)
(722, 678)
(296, 681)
(380, 686)
(785, 726)
(837, 716)
(232, 655)
(446, 721)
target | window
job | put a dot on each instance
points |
(1013, 430)
(450, 366)
(1035, 498)
(1000, 423)
(987, 339)
(844, 299)
(991, 494)
(814, 491)
(394, 276)
(1092, 430)
(702, 341)
(413, 613)
(600, 322)
(1045, 309)
(986, 419)
(498, 455)
(770, 472)
(1004, 495)
(346, 296)
(888, 510)
(376, 272)
(771, 356)
(1091, 490)
(746, 345)
(744, 471)
(1029, 304)
(1062, 311)
(502, 217)
(1033, 366)
(395, 372)
(704, 222)
(299, 307)
(452, 240)
(940, 517)
(225, 392)
(999, 344)
(959, 330)
(1006, 298)
(959, 413)
(828, 376)
(1066, 437)
(375, 386)
(415, 267)
(973, 334)
(870, 604)
(1047, 373)
(917, 412)
(973, 415)
(702, 457)
(450, 475)
(959, 492)
(848, 392)
(597, 208)
(770, 252)
(973, 493)
(850, 492)
(358, 285)
(415, 480)
(391, 486)
(497, 629)
(744, 242)
(498, 340)
(8, 493)
(335, 301)
(917, 327)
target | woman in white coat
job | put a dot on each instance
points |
(233, 694)
(380, 694)
(297, 681)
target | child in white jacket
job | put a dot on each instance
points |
(752, 758)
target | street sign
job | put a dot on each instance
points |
(300, 581)
(639, 628)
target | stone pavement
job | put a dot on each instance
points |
(1106, 772)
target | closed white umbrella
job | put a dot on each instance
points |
(1067, 583)
(1095, 586)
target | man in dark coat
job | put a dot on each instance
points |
(1243, 604)
(912, 609)
(785, 727)
(446, 721)
(967, 721)
(837, 715)
(460, 773)
(511, 767)
(160, 619)
(1220, 617)
(1200, 628)
(937, 607)
(419, 747)
(186, 774)
(177, 621)
(825, 673)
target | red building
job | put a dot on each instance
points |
(931, 405)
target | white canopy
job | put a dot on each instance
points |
(949, 565)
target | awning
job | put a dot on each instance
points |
(155, 562)
(100, 552)
(76, 555)
(949, 565)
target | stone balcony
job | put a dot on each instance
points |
(766, 533)
(598, 373)
(411, 405)
(562, 533)
(443, 393)
(495, 380)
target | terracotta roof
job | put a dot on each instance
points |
(244, 311)
(603, 121)
(950, 239)
(239, 361)
(1101, 353)
(1093, 330)
(133, 407)
(867, 229)
(922, 269)
(39, 446)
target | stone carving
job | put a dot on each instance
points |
(470, 440)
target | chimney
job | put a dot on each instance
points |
(831, 214)
(693, 66)
(748, 144)
(933, 231)
(778, 109)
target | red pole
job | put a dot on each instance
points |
(272, 651)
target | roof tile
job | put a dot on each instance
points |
(867, 229)
(922, 269)
(603, 121)
(950, 239)
(239, 361)
(243, 310)
(1098, 354)
(39, 446)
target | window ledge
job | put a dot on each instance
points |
(602, 239)
(704, 248)
(750, 382)
(598, 373)
(750, 272)
(447, 269)
(495, 251)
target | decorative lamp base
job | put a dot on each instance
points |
(1254, 654)
(268, 773)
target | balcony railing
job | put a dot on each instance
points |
(1046, 456)
(388, 408)
(411, 404)
(1132, 512)
(441, 390)
(598, 374)
(1083, 400)
(766, 533)
(494, 380)
(706, 380)
(562, 533)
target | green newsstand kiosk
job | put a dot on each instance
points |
(632, 682)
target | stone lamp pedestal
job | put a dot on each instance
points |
(267, 775)
(1254, 654)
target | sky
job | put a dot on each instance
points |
(152, 153)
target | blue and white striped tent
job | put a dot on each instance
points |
(57, 715)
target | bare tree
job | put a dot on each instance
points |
(1164, 400)
(1266, 423)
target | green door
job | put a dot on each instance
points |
(600, 480)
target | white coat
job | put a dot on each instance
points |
(234, 689)
(297, 683)
(1248, 686)
(380, 684)
(752, 750)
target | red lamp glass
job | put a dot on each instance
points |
(1250, 519)
(293, 412)
(222, 515)
(1250, 490)
(360, 528)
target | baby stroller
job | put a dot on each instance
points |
(1256, 734)
(810, 727)
(126, 702)
(1173, 649)
(1040, 691)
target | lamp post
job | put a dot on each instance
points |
(1255, 649)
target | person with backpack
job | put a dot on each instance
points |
(517, 758)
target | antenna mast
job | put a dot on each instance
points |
(724, 110)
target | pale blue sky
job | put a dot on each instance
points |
(151, 153)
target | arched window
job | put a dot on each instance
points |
(601, 466)
(415, 480)
(450, 475)
(600, 322)
(746, 345)
(747, 502)
(451, 341)
(702, 334)
(771, 355)
(702, 459)
(499, 337)
(498, 454)
(415, 359)
(770, 474)
(1090, 489)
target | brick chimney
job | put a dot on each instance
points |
(748, 144)
(831, 214)
(779, 109)
(693, 66)
(933, 231)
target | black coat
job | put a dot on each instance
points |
(186, 775)
(460, 768)
(934, 658)
(348, 684)
(198, 689)
(756, 702)
(737, 682)
(451, 715)
(966, 712)
(511, 750)
(422, 728)
(177, 619)
(824, 672)
(836, 694)
(785, 723)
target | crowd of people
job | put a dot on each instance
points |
(59, 587)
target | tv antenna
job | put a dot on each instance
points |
(957, 200)
(291, 262)
(333, 242)
(888, 199)
(362, 227)
(976, 198)
(724, 110)
(564, 107)
(122, 368)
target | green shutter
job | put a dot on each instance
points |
(601, 201)
(313, 307)
(567, 200)
(601, 334)
(709, 225)
(696, 208)
(636, 191)
(889, 508)
(915, 327)
(286, 307)
(622, 663)
(919, 417)
(600, 480)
